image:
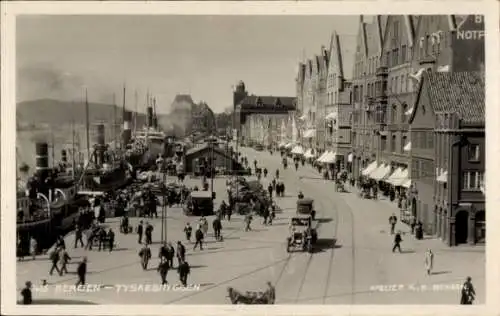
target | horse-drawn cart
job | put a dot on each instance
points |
(266, 297)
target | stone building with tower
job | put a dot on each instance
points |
(257, 119)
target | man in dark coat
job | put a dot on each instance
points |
(145, 254)
(468, 293)
(54, 258)
(82, 272)
(217, 226)
(184, 271)
(397, 242)
(149, 233)
(26, 294)
(163, 270)
(111, 239)
(78, 236)
(392, 221)
(181, 253)
(199, 238)
(102, 239)
(270, 190)
(140, 231)
(170, 255)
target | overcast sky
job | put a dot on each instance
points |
(200, 55)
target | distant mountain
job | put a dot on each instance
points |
(49, 112)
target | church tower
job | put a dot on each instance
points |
(239, 94)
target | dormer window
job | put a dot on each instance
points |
(259, 101)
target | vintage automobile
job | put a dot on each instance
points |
(259, 147)
(303, 234)
(305, 206)
(199, 203)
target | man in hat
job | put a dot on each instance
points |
(82, 272)
(26, 294)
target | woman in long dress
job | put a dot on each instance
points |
(429, 260)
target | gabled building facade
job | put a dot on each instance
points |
(319, 130)
(448, 152)
(364, 95)
(394, 102)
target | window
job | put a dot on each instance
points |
(383, 143)
(393, 143)
(402, 84)
(403, 54)
(388, 59)
(395, 30)
(472, 180)
(396, 57)
(404, 139)
(393, 113)
(423, 140)
(430, 140)
(404, 109)
(427, 46)
(473, 152)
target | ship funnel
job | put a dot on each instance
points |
(150, 116)
(101, 144)
(155, 122)
(64, 156)
(42, 160)
(127, 132)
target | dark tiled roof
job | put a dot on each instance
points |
(459, 92)
(269, 101)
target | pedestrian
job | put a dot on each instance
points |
(273, 183)
(181, 253)
(272, 216)
(277, 173)
(140, 230)
(90, 239)
(64, 258)
(229, 212)
(102, 239)
(170, 255)
(163, 268)
(82, 272)
(184, 271)
(78, 236)
(266, 215)
(468, 294)
(265, 172)
(60, 242)
(188, 231)
(145, 254)
(26, 293)
(199, 238)
(124, 225)
(149, 233)
(111, 239)
(248, 221)
(204, 225)
(270, 190)
(392, 221)
(429, 260)
(54, 258)
(413, 224)
(33, 247)
(397, 242)
(217, 226)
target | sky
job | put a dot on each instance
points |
(205, 56)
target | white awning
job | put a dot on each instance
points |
(445, 68)
(309, 133)
(410, 111)
(298, 150)
(289, 145)
(323, 155)
(395, 176)
(350, 157)
(331, 116)
(381, 172)
(369, 168)
(407, 147)
(407, 184)
(282, 144)
(308, 153)
(402, 178)
(303, 117)
(442, 176)
(330, 158)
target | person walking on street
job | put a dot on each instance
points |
(33, 247)
(265, 215)
(27, 294)
(163, 268)
(265, 172)
(272, 215)
(163, 252)
(54, 258)
(140, 231)
(184, 271)
(78, 236)
(397, 242)
(270, 190)
(217, 226)
(429, 260)
(181, 253)
(413, 224)
(248, 221)
(149, 233)
(468, 294)
(111, 239)
(188, 231)
(170, 254)
(64, 258)
(145, 255)
(392, 221)
(82, 272)
(102, 239)
(204, 225)
(199, 238)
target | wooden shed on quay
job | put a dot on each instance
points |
(203, 156)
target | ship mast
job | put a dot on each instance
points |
(73, 160)
(136, 101)
(115, 122)
(87, 125)
(123, 110)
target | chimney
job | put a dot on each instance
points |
(101, 144)
(42, 160)
(127, 132)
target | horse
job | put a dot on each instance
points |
(264, 298)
